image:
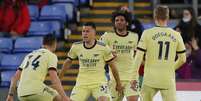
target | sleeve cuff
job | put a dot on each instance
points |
(70, 58)
(141, 49)
(110, 59)
(20, 69)
(52, 68)
(179, 52)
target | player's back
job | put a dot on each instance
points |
(34, 70)
(162, 44)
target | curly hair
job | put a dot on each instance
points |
(125, 14)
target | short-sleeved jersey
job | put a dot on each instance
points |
(34, 70)
(124, 47)
(91, 62)
(161, 45)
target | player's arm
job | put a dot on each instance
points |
(66, 65)
(13, 85)
(137, 63)
(56, 84)
(181, 59)
(115, 73)
(140, 50)
(181, 53)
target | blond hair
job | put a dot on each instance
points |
(161, 12)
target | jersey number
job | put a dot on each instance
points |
(167, 44)
(34, 63)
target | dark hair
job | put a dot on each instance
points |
(90, 24)
(123, 13)
(193, 20)
(49, 39)
(161, 12)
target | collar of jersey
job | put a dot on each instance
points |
(121, 35)
(91, 46)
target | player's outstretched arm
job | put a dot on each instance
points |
(66, 65)
(115, 73)
(56, 84)
(13, 85)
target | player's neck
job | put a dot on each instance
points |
(48, 48)
(162, 23)
(90, 43)
(121, 32)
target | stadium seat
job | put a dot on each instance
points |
(6, 45)
(39, 28)
(11, 61)
(63, 1)
(42, 28)
(56, 28)
(53, 12)
(33, 12)
(68, 9)
(74, 2)
(6, 78)
(27, 44)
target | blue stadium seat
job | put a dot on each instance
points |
(11, 61)
(6, 45)
(53, 12)
(42, 28)
(68, 9)
(6, 78)
(33, 12)
(27, 44)
(39, 28)
(63, 1)
(56, 28)
(74, 2)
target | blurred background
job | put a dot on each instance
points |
(24, 22)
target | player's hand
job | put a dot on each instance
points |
(134, 85)
(119, 89)
(9, 98)
(114, 53)
(66, 98)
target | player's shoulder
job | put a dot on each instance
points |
(108, 33)
(47, 52)
(77, 43)
(100, 43)
(133, 34)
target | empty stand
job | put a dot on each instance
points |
(27, 44)
(33, 12)
(6, 45)
(11, 61)
(54, 12)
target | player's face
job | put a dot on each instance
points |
(120, 23)
(88, 33)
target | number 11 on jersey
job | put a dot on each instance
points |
(167, 44)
